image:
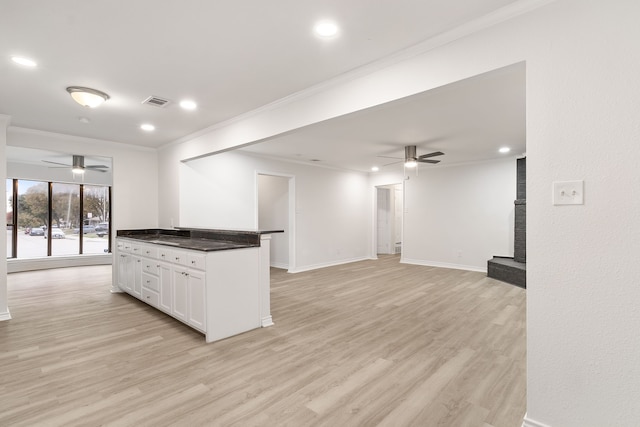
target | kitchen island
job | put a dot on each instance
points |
(216, 281)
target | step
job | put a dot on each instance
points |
(508, 270)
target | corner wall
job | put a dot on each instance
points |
(220, 191)
(460, 216)
(4, 307)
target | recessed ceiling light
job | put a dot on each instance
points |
(147, 127)
(504, 149)
(24, 61)
(188, 105)
(375, 169)
(325, 29)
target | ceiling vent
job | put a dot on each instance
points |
(156, 101)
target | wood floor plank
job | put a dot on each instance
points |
(363, 344)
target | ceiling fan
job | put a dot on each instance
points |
(78, 166)
(411, 159)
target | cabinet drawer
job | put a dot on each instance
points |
(150, 266)
(150, 297)
(150, 282)
(149, 251)
(196, 260)
(179, 257)
(165, 254)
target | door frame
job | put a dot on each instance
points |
(291, 221)
(374, 228)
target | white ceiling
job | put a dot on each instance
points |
(232, 57)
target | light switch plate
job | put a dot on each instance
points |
(568, 193)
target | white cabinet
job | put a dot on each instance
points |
(180, 293)
(216, 292)
(196, 286)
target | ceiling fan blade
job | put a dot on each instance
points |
(389, 157)
(428, 161)
(97, 167)
(392, 163)
(94, 170)
(56, 163)
(434, 154)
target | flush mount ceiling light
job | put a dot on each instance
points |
(87, 97)
(147, 127)
(325, 29)
(375, 169)
(504, 149)
(24, 61)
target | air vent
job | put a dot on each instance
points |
(156, 101)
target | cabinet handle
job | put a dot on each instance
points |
(193, 262)
(148, 281)
(177, 258)
(139, 261)
(148, 296)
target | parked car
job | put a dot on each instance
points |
(102, 229)
(56, 233)
(85, 230)
(36, 231)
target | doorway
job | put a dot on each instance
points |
(389, 207)
(275, 206)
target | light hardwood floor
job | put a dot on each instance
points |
(373, 343)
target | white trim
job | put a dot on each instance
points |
(280, 265)
(19, 265)
(5, 316)
(329, 264)
(528, 422)
(267, 321)
(291, 212)
(442, 265)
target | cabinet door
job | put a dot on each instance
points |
(180, 294)
(197, 301)
(122, 271)
(125, 273)
(137, 276)
(165, 287)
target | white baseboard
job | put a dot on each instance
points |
(267, 321)
(5, 316)
(281, 265)
(442, 265)
(18, 265)
(528, 422)
(328, 264)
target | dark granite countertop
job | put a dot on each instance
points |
(197, 238)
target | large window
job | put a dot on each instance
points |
(57, 219)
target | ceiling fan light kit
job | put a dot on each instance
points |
(87, 97)
(77, 165)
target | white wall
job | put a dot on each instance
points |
(4, 308)
(221, 192)
(583, 95)
(460, 216)
(273, 214)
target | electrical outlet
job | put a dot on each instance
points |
(568, 193)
